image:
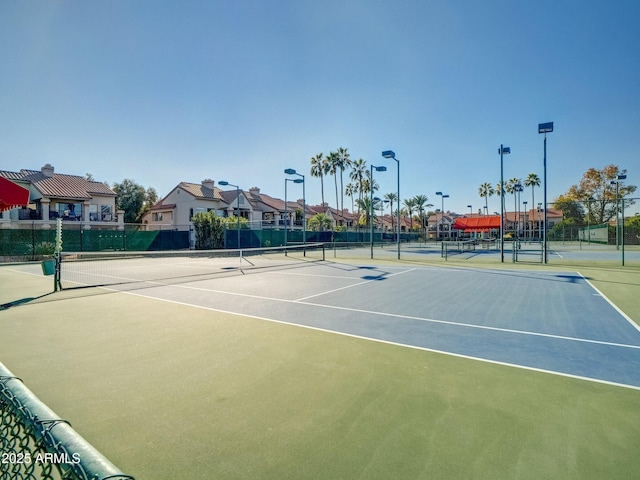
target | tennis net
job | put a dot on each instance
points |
(92, 269)
(455, 247)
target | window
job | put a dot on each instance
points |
(105, 213)
(157, 216)
(69, 211)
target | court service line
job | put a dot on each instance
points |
(388, 342)
(395, 315)
(302, 299)
(470, 325)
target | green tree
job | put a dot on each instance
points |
(410, 206)
(319, 168)
(510, 187)
(391, 198)
(532, 181)
(571, 210)
(358, 175)
(131, 198)
(231, 222)
(332, 168)
(343, 162)
(420, 203)
(209, 230)
(320, 222)
(486, 190)
(599, 194)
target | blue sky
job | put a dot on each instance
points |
(164, 91)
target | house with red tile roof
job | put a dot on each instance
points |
(54, 195)
(176, 209)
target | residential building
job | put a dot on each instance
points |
(54, 195)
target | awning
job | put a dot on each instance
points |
(477, 224)
(12, 195)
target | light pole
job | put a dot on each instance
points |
(502, 151)
(286, 206)
(589, 220)
(223, 183)
(291, 171)
(518, 188)
(470, 209)
(545, 128)
(442, 197)
(616, 182)
(539, 222)
(391, 154)
(377, 169)
(525, 224)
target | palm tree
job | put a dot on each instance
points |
(532, 181)
(409, 205)
(343, 162)
(350, 190)
(510, 187)
(358, 175)
(332, 169)
(319, 170)
(420, 202)
(485, 191)
(391, 197)
(364, 205)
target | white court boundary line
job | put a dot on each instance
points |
(616, 308)
(335, 332)
(386, 314)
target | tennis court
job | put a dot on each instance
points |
(207, 317)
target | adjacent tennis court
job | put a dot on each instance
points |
(201, 368)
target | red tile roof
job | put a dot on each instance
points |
(60, 185)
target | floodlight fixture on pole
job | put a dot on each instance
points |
(502, 151)
(545, 128)
(291, 171)
(470, 209)
(224, 183)
(391, 154)
(377, 169)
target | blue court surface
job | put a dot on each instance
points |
(549, 321)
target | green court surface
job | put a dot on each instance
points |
(168, 391)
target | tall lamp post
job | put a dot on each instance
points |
(539, 222)
(590, 199)
(525, 224)
(377, 169)
(286, 206)
(470, 209)
(291, 171)
(223, 183)
(518, 189)
(442, 197)
(545, 128)
(502, 151)
(616, 182)
(391, 154)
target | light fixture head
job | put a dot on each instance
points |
(389, 154)
(290, 171)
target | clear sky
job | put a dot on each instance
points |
(168, 91)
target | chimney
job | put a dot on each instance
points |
(47, 170)
(208, 183)
(255, 190)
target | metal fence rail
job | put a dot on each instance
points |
(39, 445)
